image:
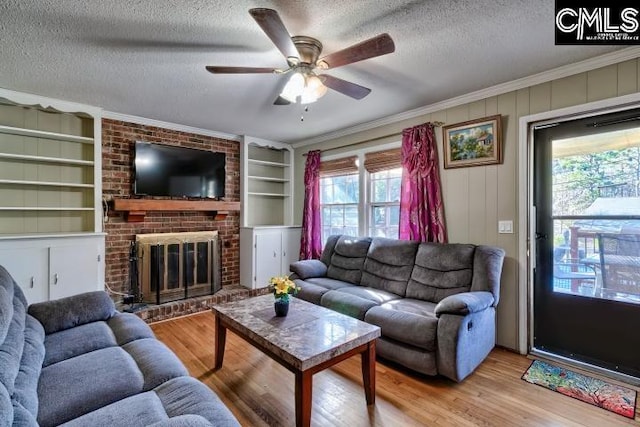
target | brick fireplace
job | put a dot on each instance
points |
(175, 266)
(118, 140)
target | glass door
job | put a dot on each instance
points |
(587, 216)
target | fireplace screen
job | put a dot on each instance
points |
(174, 266)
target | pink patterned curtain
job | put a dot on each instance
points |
(421, 208)
(311, 244)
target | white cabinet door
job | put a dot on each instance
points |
(268, 257)
(28, 267)
(290, 248)
(73, 269)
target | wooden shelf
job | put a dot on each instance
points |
(45, 135)
(42, 159)
(45, 183)
(41, 208)
(262, 194)
(136, 209)
(268, 163)
(266, 178)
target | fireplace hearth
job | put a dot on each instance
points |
(176, 266)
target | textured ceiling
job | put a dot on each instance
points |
(147, 57)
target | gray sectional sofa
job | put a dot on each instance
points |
(435, 303)
(78, 362)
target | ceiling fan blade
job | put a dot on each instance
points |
(281, 101)
(347, 88)
(272, 25)
(238, 70)
(376, 46)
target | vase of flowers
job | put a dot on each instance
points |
(282, 287)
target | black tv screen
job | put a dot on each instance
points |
(164, 170)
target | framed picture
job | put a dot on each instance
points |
(473, 143)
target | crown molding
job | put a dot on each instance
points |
(535, 79)
(168, 125)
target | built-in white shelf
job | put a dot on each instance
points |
(266, 183)
(267, 163)
(43, 159)
(45, 135)
(48, 227)
(45, 183)
(267, 178)
(39, 208)
(267, 194)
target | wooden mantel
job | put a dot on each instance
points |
(136, 209)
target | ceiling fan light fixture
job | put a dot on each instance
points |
(293, 88)
(313, 89)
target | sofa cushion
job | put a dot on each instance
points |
(12, 347)
(389, 264)
(26, 384)
(487, 269)
(172, 399)
(406, 320)
(348, 304)
(6, 407)
(82, 384)
(407, 355)
(22, 417)
(187, 420)
(185, 395)
(127, 327)
(76, 341)
(156, 362)
(329, 284)
(308, 268)
(441, 270)
(348, 258)
(139, 410)
(309, 291)
(376, 295)
(6, 301)
(65, 313)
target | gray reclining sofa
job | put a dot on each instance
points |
(78, 362)
(435, 303)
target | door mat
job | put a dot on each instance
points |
(597, 392)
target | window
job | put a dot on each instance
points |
(339, 200)
(375, 212)
(339, 197)
(384, 207)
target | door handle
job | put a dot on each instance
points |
(275, 254)
(32, 282)
(55, 279)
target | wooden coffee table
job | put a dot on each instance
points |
(310, 339)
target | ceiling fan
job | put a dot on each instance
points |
(308, 81)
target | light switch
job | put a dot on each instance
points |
(505, 227)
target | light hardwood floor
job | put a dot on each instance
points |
(260, 392)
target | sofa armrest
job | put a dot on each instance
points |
(65, 313)
(464, 303)
(308, 268)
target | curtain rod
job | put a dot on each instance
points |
(436, 124)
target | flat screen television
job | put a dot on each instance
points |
(164, 170)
